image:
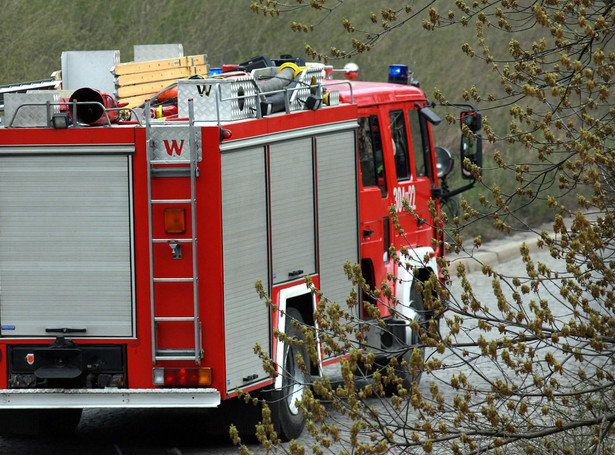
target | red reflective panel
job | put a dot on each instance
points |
(187, 376)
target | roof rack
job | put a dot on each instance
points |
(42, 84)
(240, 95)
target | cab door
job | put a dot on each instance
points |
(423, 174)
(375, 226)
(414, 178)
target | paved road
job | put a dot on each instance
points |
(124, 432)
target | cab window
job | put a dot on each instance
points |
(400, 144)
(420, 144)
(370, 153)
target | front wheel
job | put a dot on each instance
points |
(407, 372)
(288, 419)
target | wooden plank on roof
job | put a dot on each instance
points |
(161, 75)
(157, 65)
(142, 89)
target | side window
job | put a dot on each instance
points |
(400, 145)
(370, 153)
(420, 144)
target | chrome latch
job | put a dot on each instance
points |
(176, 250)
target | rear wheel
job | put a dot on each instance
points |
(287, 418)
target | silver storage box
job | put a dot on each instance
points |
(29, 110)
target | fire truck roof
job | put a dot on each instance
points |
(371, 93)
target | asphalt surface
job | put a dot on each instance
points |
(497, 251)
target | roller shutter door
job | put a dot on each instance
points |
(244, 226)
(65, 244)
(292, 210)
(337, 211)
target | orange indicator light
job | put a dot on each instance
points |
(175, 221)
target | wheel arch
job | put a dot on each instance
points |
(414, 266)
(304, 303)
(300, 298)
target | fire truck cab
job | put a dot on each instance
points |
(130, 245)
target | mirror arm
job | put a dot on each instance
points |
(448, 194)
(472, 108)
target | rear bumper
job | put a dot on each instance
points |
(108, 398)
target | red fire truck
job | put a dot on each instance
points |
(130, 245)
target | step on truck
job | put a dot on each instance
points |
(130, 244)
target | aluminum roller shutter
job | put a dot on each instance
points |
(337, 211)
(65, 243)
(245, 255)
(292, 210)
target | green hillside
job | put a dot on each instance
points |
(35, 33)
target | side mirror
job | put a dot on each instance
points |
(472, 120)
(471, 141)
(444, 162)
(472, 149)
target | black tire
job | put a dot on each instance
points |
(287, 418)
(403, 370)
(39, 422)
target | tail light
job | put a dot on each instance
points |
(183, 377)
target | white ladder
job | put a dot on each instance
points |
(155, 169)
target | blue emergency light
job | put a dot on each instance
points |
(398, 74)
(215, 71)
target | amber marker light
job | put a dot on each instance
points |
(175, 221)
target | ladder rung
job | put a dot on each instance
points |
(175, 354)
(173, 280)
(178, 351)
(170, 162)
(173, 240)
(175, 171)
(175, 319)
(176, 357)
(171, 201)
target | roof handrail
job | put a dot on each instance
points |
(49, 104)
